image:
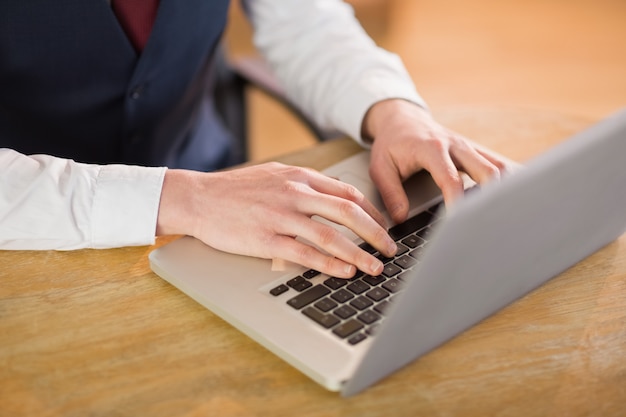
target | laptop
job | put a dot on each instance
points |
(460, 265)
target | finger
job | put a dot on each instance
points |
(473, 163)
(309, 256)
(346, 213)
(388, 181)
(504, 164)
(344, 204)
(335, 187)
(446, 175)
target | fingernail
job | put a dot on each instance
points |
(349, 270)
(377, 267)
(392, 248)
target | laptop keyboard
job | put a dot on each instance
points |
(352, 309)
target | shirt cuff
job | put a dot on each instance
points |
(126, 206)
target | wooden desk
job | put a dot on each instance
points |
(97, 333)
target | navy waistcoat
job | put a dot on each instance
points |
(72, 85)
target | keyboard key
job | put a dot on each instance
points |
(382, 307)
(413, 241)
(346, 329)
(299, 283)
(405, 276)
(405, 262)
(344, 312)
(368, 317)
(371, 330)
(374, 281)
(307, 297)
(358, 287)
(377, 294)
(391, 270)
(342, 296)
(423, 233)
(325, 320)
(392, 285)
(311, 273)
(414, 223)
(359, 337)
(361, 303)
(417, 252)
(335, 283)
(326, 304)
(384, 259)
(401, 249)
(276, 291)
(368, 248)
(356, 276)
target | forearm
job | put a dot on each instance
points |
(54, 203)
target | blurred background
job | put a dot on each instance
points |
(567, 56)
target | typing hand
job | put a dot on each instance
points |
(260, 210)
(406, 139)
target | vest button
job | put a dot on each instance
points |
(136, 92)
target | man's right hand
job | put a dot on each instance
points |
(260, 210)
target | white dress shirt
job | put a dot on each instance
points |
(320, 54)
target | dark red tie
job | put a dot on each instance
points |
(136, 17)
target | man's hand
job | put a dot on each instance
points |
(406, 139)
(259, 211)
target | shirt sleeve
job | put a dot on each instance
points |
(54, 203)
(326, 62)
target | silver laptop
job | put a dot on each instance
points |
(457, 268)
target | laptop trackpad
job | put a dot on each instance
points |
(420, 189)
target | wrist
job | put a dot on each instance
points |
(176, 203)
(381, 113)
